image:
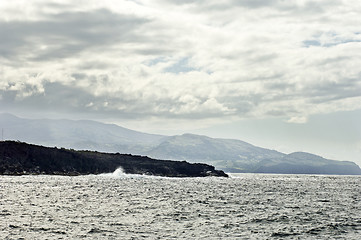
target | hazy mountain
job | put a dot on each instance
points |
(81, 134)
(226, 154)
(238, 156)
(306, 163)
(229, 154)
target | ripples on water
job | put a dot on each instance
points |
(118, 206)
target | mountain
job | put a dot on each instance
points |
(306, 163)
(17, 158)
(231, 155)
(227, 154)
(238, 156)
(81, 134)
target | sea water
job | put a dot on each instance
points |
(119, 206)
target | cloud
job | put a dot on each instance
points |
(298, 119)
(67, 34)
(181, 59)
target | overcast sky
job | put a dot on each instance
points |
(280, 74)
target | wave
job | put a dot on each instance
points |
(120, 173)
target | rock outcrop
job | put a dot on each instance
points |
(18, 158)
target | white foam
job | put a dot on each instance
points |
(119, 173)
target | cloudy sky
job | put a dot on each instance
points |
(279, 74)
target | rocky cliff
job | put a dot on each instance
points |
(17, 158)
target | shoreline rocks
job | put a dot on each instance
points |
(18, 158)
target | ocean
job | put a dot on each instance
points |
(120, 206)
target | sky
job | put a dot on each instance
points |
(280, 74)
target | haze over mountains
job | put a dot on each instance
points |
(226, 154)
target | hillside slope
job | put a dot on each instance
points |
(227, 154)
(238, 156)
(82, 134)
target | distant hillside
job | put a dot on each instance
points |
(306, 163)
(81, 134)
(226, 154)
(17, 158)
(232, 155)
(238, 156)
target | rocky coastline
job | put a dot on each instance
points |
(19, 158)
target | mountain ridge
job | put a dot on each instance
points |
(231, 155)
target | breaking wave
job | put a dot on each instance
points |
(120, 173)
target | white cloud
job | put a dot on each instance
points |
(189, 59)
(298, 119)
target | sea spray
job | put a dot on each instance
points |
(120, 173)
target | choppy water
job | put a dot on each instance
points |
(134, 207)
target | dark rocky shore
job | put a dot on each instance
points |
(18, 158)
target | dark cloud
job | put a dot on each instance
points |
(59, 98)
(184, 2)
(283, 6)
(156, 50)
(280, 85)
(322, 92)
(67, 34)
(67, 99)
(255, 3)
